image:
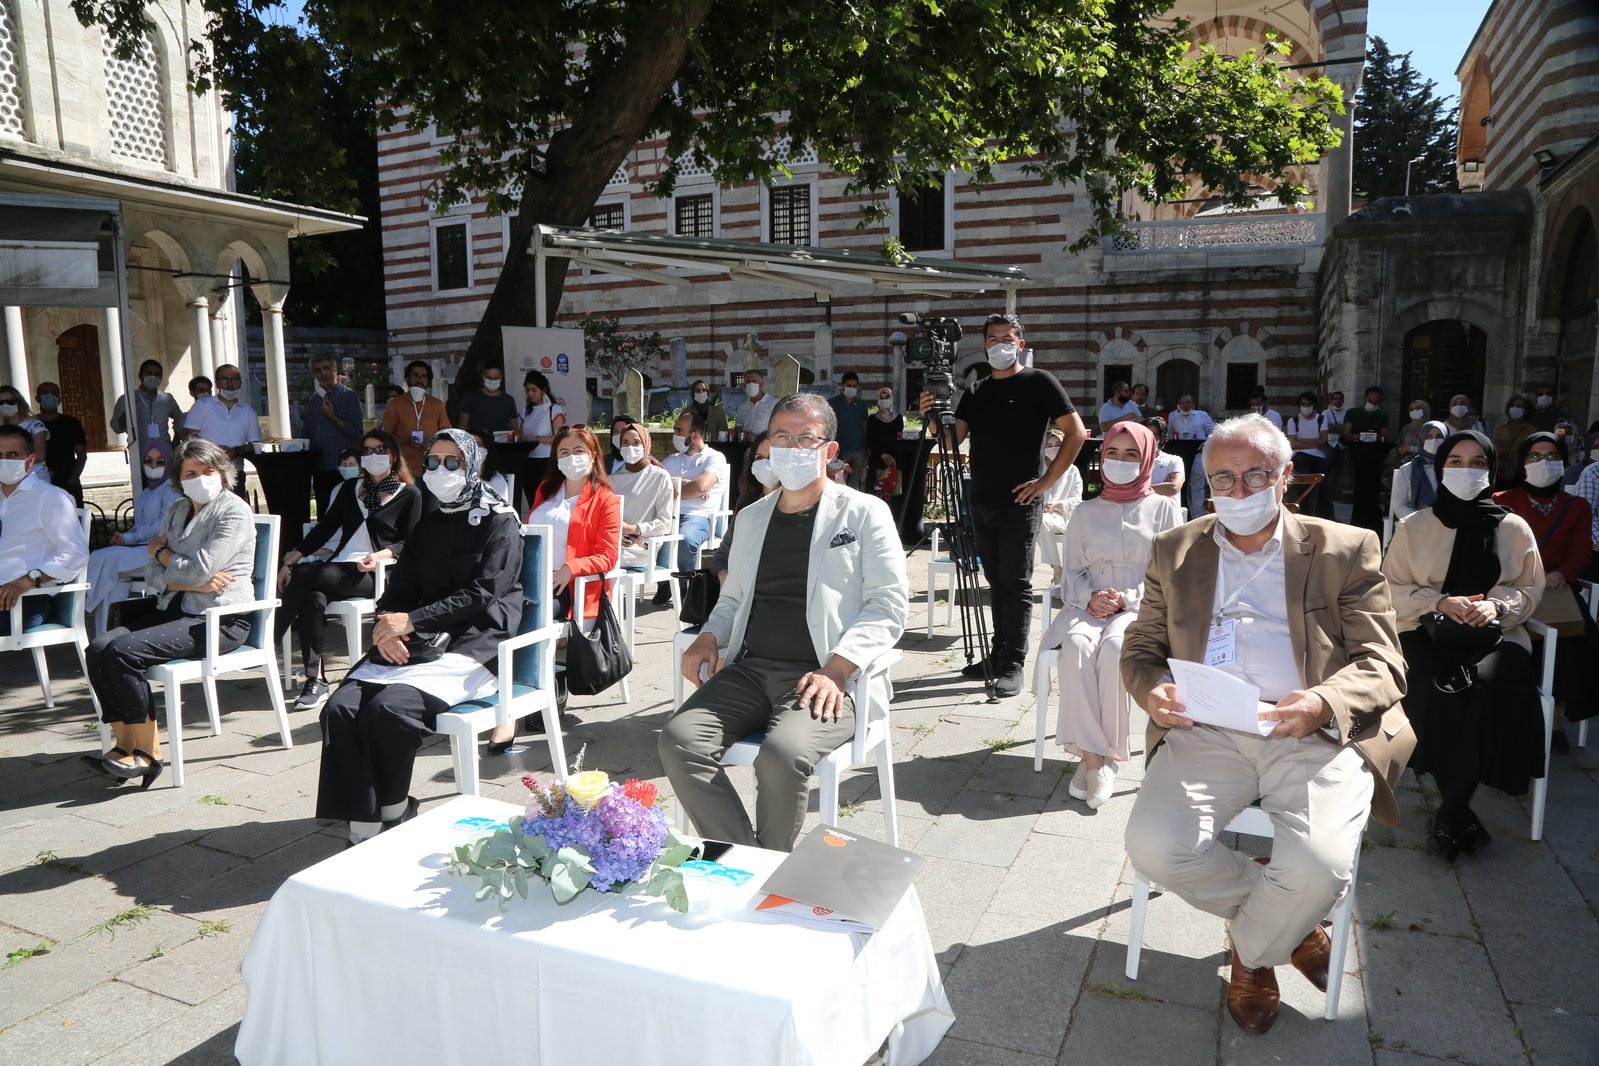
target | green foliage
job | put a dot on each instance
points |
(1397, 118)
(215, 927)
(214, 801)
(611, 349)
(18, 956)
(1382, 921)
(131, 916)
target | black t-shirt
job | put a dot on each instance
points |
(60, 450)
(1008, 419)
(777, 627)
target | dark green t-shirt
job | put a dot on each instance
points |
(777, 628)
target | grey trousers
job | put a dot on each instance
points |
(749, 696)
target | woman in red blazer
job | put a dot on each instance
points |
(575, 500)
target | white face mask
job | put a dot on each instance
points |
(203, 489)
(1371, 407)
(886, 401)
(445, 485)
(1464, 483)
(761, 470)
(1249, 515)
(348, 472)
(632, 454)
(1541, 475)
(1120, 471)
(1460, 410)
(1417, 416)
(1431, 446)
(155, 473)
(8, 410)
(151, 382)
(12, 471)
(229, 394)
(318, 389)
(850, 392)
(1515, 412)
(375, 465)
(417, 392)
(796, 467)
(1003, 355)
(1050, 453)
(680, 442)
(575, 465)
(1306, 412)
(491, 384)
(1544, 401)
(702, 397)
(753, 389)
(616, 441)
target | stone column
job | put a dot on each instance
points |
(17, 354)
(1338, 166)
(196, 293)
(117, 379)
(271, 294)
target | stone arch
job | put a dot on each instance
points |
(1501, 370)
(1570, 233)
(259, 262)
(177, 252)
(1253, 30)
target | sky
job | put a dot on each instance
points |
(1436, 32)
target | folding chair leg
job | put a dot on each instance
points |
(1135, 925)
(213, 705)
(1540, 785)
(1342, 919)
(174, 712)
(885, 787)
(279, 706)
(553, 739)
(42, 668)
(353, 624)
(827, 780)
(83, 660)
(288, 651)
(1041, 677)
(463, 751)
(106, 741)
(1582, 733)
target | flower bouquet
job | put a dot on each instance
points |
(588, 833)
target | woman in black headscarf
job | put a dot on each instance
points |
(1562, 524)
(1465, 576)
(454, 594)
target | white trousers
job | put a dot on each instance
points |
(1093, 705)
(1318, 795)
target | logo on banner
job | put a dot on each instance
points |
(545, 363)
(561, 364)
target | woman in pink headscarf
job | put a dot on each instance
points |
(1102, 582)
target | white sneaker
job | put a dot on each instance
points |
(1076, 789)
(1100, 786)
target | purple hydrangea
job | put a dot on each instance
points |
(620, 836)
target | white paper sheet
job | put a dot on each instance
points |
(1217, 698)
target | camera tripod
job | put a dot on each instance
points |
(954, 495)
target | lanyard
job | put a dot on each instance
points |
(416, 409)
(1221, 580)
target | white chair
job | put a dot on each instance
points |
(352, 614)
(256, 653)
(1255, 822)
(526, 672)
(653, 572)
(63, 624)
(1546, 700)
(722, 516)
(1043, 671)
(940, 567)
(1591, 595)
(873, 734)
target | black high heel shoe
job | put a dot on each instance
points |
(98, 763)
(1443, 843)
(500, 747)
(146, 773)
(1475, 836)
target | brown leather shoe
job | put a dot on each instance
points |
(1252, 997)
(1312, 956)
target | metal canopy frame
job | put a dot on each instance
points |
(677, 261)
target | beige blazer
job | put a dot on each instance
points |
(1418, 559)
(1339, 617)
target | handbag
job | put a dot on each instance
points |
(1473, 642)
(130, 613)
(598, 659)
(701, 590)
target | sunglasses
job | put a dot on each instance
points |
(448, 462)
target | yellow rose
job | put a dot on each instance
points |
(587, 787)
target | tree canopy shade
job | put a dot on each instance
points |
(1397, 118)
(545, 100)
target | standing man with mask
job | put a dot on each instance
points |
(1367, 432)
(332, 422)
(1007, 415)
(415, 416)
(1337, 446)
(815, 589)
(156, 415)
(704, 472)
(225, 419)
(41, 540)
(67, 448)
(851, 412)
(489, 408)
(756, 411)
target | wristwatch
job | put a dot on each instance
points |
(37, 576)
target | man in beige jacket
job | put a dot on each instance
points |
(1299, 608)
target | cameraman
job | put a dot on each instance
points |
(1008, 413)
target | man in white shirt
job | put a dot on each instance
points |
(1259, 406)
(156, 415)
(1119, 408)
(705, 480)
(227, 420)
(756, 411)
(1190, 423)
(41, 539)
(1337, 454)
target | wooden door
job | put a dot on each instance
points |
(1174, 380)
(82, 394)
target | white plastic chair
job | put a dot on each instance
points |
(256, 653)
(526, 672)
(1592, 596)
(1255, 822)
(63, 624)
(940, 567)
(1043, 671)
(1546, 700)
(722, 516)
(873, 734)
(653, 572)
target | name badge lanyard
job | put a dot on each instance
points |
(1227, 601)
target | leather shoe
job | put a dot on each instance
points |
(1442, 843)
(1252, 997)
(1312, 957)
(1474, 837)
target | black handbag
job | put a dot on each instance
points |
(701, 590)
(598, 659)
(1471, 642)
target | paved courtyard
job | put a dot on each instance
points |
(143, 904)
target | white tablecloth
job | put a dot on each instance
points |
(376, 955)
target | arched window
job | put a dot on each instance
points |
(136, 101)
(13, 121)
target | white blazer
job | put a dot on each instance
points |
(857, 596)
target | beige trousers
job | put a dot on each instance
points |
(1318, 795)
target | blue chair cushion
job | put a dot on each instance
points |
(526, 664)
(517, 692)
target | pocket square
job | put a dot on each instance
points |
(846, 537)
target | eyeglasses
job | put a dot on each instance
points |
(379, 450)
(449, 462)
(808, 441)
(1253, 479)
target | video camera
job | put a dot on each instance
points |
(932, 346)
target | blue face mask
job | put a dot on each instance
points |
(348, 472)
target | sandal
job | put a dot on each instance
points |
(147, 773)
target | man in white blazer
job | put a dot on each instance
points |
(815, 589)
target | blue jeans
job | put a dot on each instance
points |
(35, 609)
(696, 530)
